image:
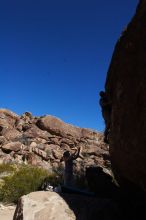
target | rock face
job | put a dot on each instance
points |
(41, 141)
(126, 88)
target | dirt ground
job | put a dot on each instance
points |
(7, 212)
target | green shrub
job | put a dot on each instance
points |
(23, 181)
(7, 168)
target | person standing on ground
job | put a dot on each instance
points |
(68, 159)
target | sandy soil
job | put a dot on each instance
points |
(7, 212)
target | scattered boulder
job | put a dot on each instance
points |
(7, 118)
(43, 205)
(57, 127)
(13, 146)
(11, 134)
(34, 132)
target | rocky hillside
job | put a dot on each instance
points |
(41, 141)
(126, 89)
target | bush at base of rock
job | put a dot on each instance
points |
(23, 181)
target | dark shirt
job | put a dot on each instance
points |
(69, 166)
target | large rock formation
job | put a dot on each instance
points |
(126, 88)
(41, 141)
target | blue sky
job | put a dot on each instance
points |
(54, 55)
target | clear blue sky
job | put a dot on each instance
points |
(54, 55)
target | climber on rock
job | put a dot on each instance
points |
(106, 113)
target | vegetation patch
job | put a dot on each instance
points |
(22, 181)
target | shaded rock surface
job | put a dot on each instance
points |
(101, 182)
(41, 141)
(50, 205)
(126, 89)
